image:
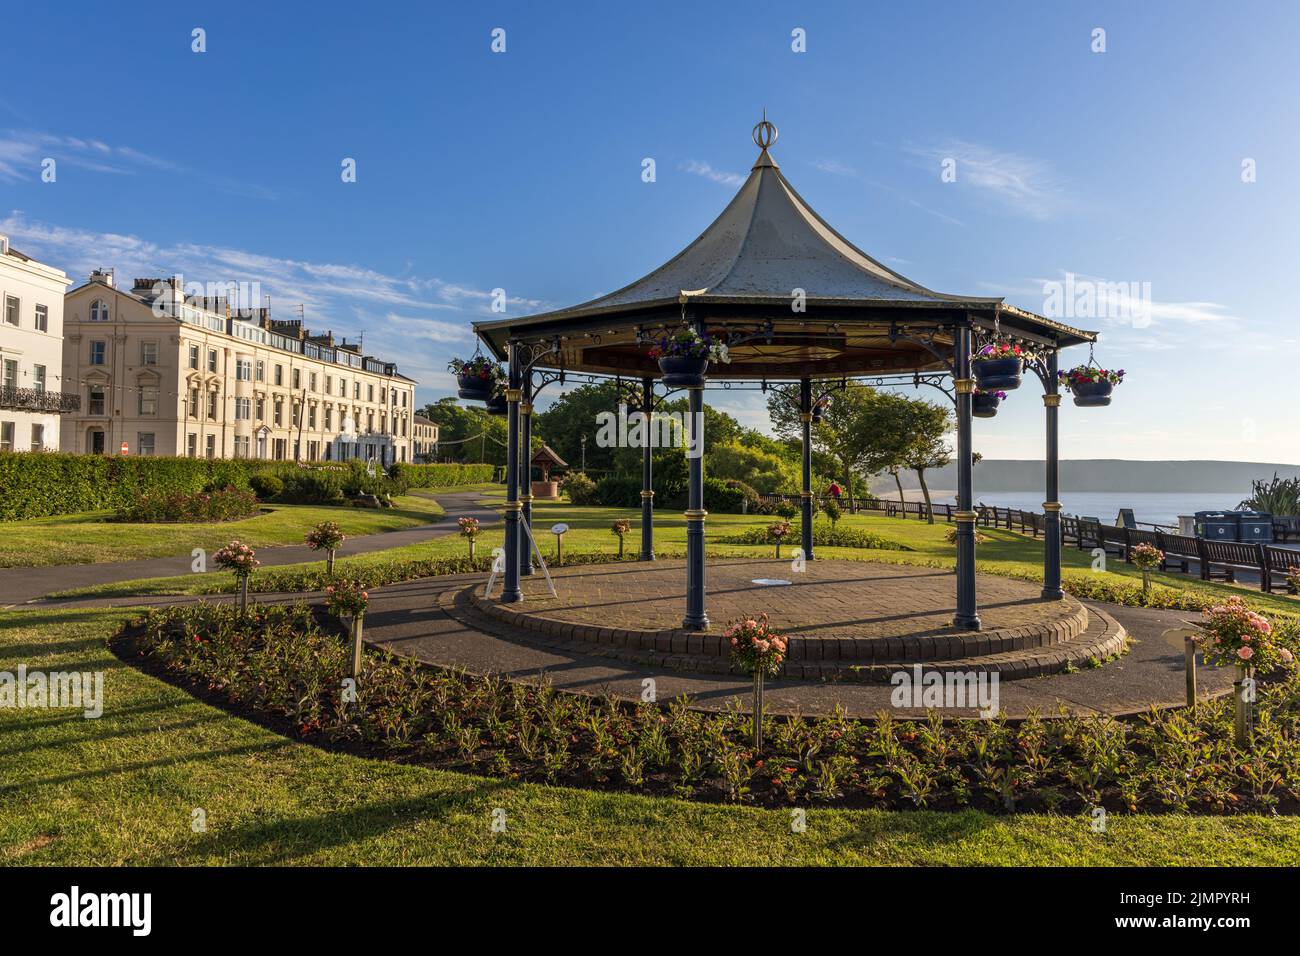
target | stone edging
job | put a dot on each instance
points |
(1098, 636)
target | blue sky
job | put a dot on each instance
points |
(522, 170)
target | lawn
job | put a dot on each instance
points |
(124, 789)
(1005, 552)
(89, 538)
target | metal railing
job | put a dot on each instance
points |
(39, 400)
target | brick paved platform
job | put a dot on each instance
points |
(846, 620)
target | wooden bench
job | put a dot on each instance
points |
(1114, 540)
(1277, 562)
(1179, 549)
(1229, 557)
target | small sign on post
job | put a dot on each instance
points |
(124, 449)
(558, 530)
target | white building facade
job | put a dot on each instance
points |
(32, 397)
(162, 375)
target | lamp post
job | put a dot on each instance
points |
(583, 440)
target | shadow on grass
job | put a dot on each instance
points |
(280, 841)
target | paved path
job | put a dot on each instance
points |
(22, 585)
(405, 618)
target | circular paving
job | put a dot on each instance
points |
(846, 620)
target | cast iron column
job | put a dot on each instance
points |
(696, 619)
(966, 617)
(526, 472)
(1052, 506)
(510, 592)
(805, 417)
(647, 478)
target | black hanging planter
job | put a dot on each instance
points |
(497, 404)
(985, 404)
(474, 388)
(997, 374)
(1092, 394)
(680, 371)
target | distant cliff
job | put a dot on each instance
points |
(1105, 474)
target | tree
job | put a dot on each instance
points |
(467, 434)
(843, 434)
(898, 432)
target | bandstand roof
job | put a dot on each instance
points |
(739, 278)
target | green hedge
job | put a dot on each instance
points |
(441, 476)
(41, 484)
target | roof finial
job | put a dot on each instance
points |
(765, 133)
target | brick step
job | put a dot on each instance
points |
(838, 653)
(1100, 637)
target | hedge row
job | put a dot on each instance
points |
(441, 476)
(53, 483)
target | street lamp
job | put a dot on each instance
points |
(583, 439)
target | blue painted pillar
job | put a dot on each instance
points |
(967, 617)
(1052, 506)
(696, 619)
(805, 418)
(526, 472)
(647, 474)
(511, 592)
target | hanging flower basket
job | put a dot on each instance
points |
(985, 404)
(477, 378)
(1091, 386)
(684, 357)
(998, 366)
(497, 404)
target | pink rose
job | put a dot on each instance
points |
(1245, 653)
(1285, 655)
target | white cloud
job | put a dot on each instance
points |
(1024, 184)
(698, 168)
(420, 322)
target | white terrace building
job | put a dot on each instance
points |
(32, 397)
(163, 375)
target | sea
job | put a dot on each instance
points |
(1152, 507)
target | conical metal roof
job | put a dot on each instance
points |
(767, 247)
(766, 243)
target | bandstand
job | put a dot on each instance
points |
(797, 306)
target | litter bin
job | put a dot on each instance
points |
(1216, 525)
(1254, 527)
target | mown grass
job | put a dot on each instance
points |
(90, 538)
(123, 790)
(1005, 553)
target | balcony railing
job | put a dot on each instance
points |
(38, 400)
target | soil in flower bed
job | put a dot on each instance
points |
(283, 668)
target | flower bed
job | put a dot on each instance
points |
(825, 534)
(282, 666)
(228, 504)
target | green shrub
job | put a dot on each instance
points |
(439, 476)
(225, 504)
(580, 489)
(266, 486)
(722, 497)
(618, 491)
(312, 487)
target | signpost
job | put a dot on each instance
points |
(124, 449)
(558, 530)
